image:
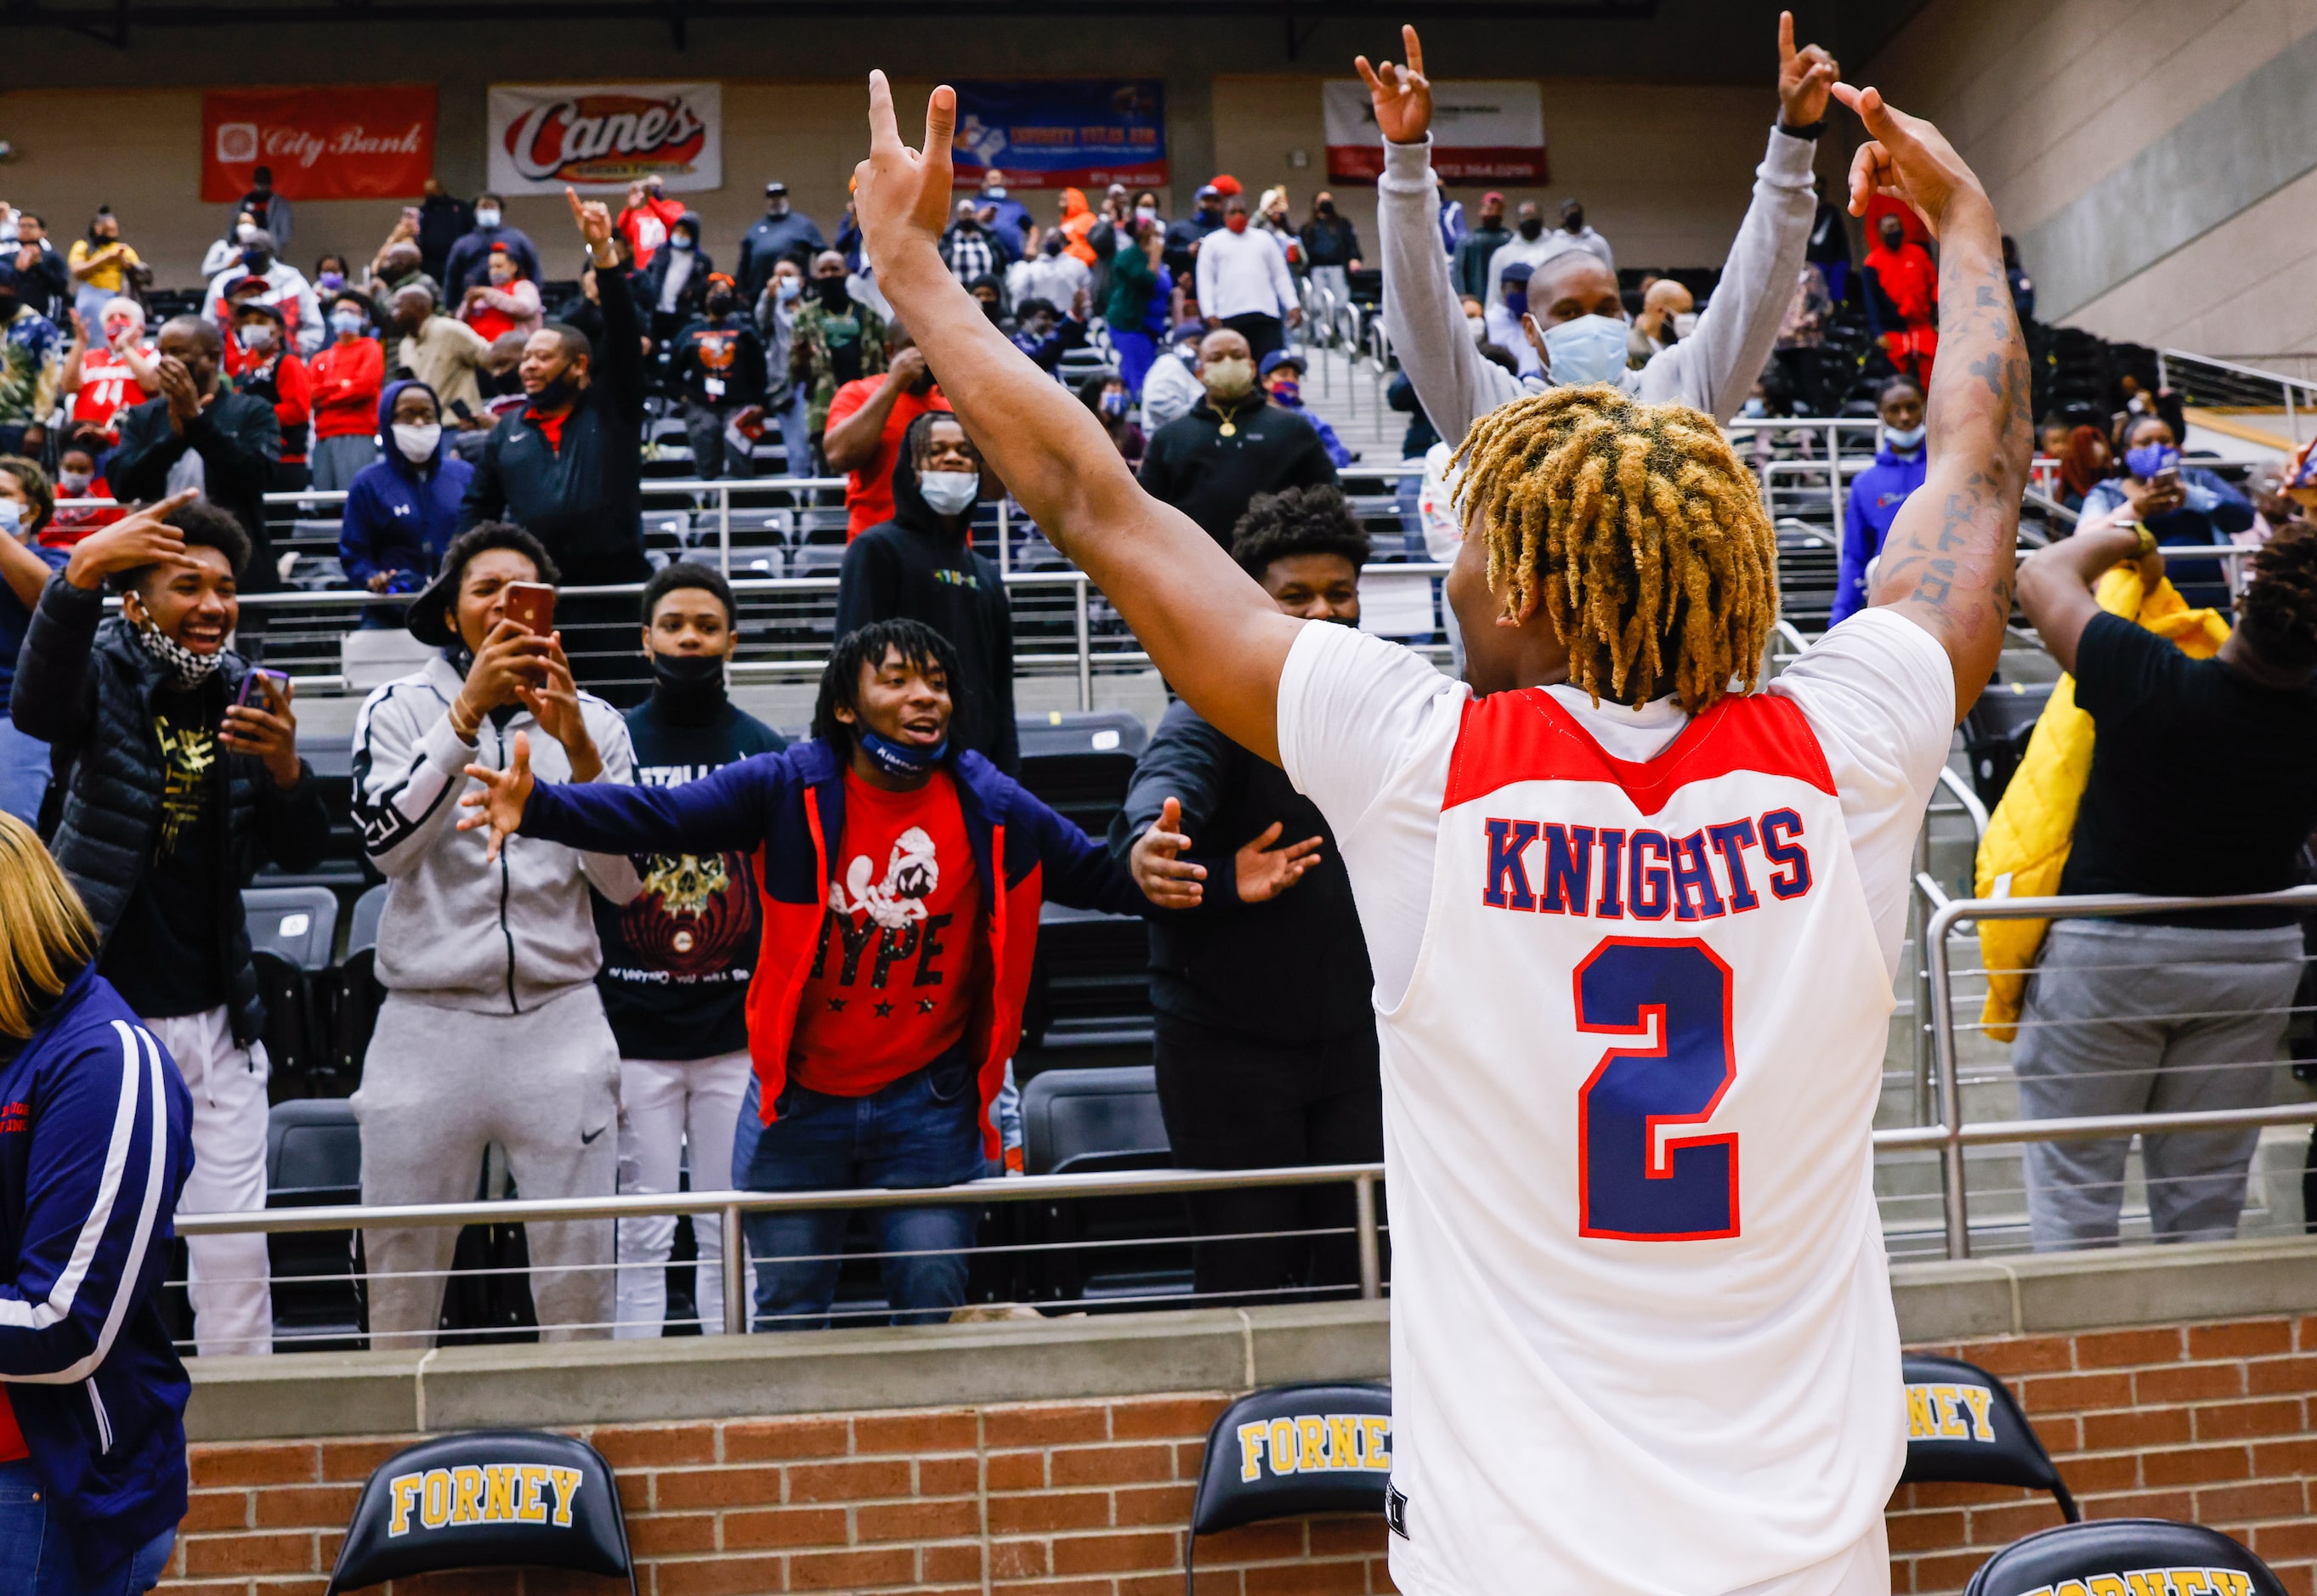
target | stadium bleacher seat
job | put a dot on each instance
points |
(1078, 762)
(1965, 1427)
(313, 1159)
(291, 933)
(1996, 732)
(298, 922)
(371, 657)
(1286, 1483)
(1084, 1121)
(2098, 1557)
(359, 995)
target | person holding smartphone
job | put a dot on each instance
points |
(492, 1029)
(179, 774)
(2184, 506)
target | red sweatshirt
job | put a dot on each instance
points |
(347, 377)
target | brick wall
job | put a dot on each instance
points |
(2211, 1422)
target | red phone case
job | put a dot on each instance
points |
(531, 606)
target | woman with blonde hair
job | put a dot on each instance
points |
(94, 1143)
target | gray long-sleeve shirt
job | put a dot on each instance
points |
(1712, 369)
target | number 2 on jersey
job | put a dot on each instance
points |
(1634, 1184)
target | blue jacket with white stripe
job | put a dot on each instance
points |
(94, 1143)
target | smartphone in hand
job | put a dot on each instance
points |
(249, 695)
(531, 605)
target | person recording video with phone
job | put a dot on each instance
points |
(178, 766)
(492, 1031)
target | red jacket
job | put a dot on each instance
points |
(1909, 280)
(645, 226)
(346, 377)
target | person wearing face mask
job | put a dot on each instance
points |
(1233, 444)
(1902, 298)
(507, 303)
(492, 1029)
(1502, 324)
(1054, 274)
(80, 475)
(1113, 403)
(866, 421)
(1877, 493)
(1663, 305)
(402, 511)
(1243, 283)
(440, 350)
(921, 566)
(836, 340)
(176, 788)
(973, 250)
(777, 308)
(1007, 219)
(719, 368)
(285, 286)
(102, 266)
(1332, 247)
(675, 283)
(265, 207)
(200, 433)
(2182, 506)
(1140, 284)
(270, 369)
(1185, 235)
(32, 352)
(1281, 376)
(1263, 1061)
(1575, 318)
(645, 218)
(27, 506)
(677, 955)
(895, 870)
(782, 233)
(469, 260)
(348, 376)
(1468, 268)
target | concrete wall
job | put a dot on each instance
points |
(2152, 158)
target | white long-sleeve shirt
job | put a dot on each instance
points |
(1242, 274)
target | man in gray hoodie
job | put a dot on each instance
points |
(1575, 319)
(492, 1029)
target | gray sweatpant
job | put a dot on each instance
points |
(439, 1085)
(2125, 1019)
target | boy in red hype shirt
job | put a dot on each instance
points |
(900, 880)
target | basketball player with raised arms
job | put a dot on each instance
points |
(1634, 924)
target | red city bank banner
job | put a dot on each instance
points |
(344, 142)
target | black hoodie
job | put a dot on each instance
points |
(913, 568)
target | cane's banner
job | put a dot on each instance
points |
(344, 142)
(1064, 132)
(1482, 133)
(604, 136)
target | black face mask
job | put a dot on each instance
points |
(1574, 221)
(557, 393)
(832, 291)
(8, 303)
(1533, 227)
(993, 310)
(1326, 208)
(720, 304)
(690, 680)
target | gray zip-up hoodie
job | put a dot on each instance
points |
(1712, 369)
(460, 933)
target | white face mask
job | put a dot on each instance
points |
(74, 483)
(1479, 325)
(12, 517)
(486, 216)
(949, 493)
(416, 439)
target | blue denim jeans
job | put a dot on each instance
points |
(36, 1561)
(921, 1131)
(23, 771)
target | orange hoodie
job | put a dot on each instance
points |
(1077, 221)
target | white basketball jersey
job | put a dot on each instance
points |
(1642, 1339)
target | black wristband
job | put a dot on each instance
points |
(1809, 130)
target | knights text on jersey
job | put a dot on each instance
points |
(1642, 1339)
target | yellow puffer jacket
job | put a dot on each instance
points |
(2028, 836)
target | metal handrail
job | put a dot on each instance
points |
(1951, 1134)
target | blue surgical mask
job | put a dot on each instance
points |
(1905, 440)
(791, 290)
(487, 216)
(681, 243)
(330, 281)
(902, 761)
(347, 322)
(2149, 459)
(1114, 402)
(1588, 349)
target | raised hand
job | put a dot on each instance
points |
(499, 805)
(1165, 877)
(142, 537)
(902, 195)
(593, 218)
(554, 702)
(1266, 871)
(1907, 158)
(1402, 96)
(266, 730)
(1805, 78)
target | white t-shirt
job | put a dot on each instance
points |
(1642, 1339)
(1366, 727)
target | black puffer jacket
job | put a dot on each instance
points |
(86, 686)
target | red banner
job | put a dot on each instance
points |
(344, 142)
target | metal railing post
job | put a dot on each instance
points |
(1085, 646)
(724, 528)
(1363, 1203)
(1005, 561)
(1918, 925)
(735, 1270)
(1957, 1204)
(1834, 479)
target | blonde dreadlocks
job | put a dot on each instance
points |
(1635, 530)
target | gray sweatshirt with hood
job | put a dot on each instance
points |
(459, 931)
(1712, 369)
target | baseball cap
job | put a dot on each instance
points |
(1278, 357)
(1493, 195)
(775, 187)
(1518, 272)
(1208, 192)
(1225, 185)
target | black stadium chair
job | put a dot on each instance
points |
(2126, 1556)
(1292, 1451)
(313, 1159)
(359, 996)
(486, 1499)
(1963, 1426)
(291, 931)
(1079, 762)
(1084, 1122)
(1996, 732)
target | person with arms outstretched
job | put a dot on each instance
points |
(1574, 317)
(1618, 1364)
